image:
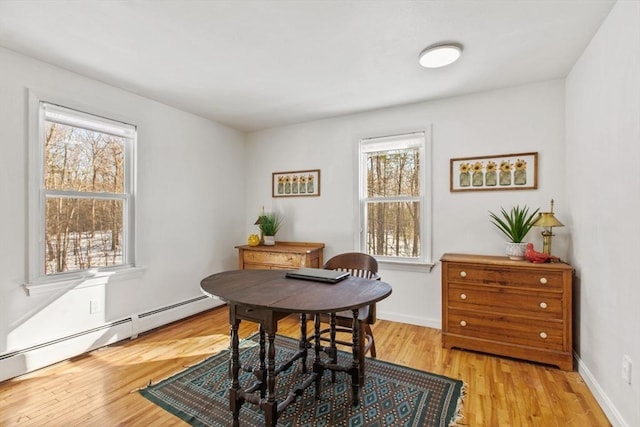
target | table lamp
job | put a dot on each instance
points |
(548, 221)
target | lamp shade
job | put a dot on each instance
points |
(546, 219)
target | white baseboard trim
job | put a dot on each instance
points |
(412, 320)
(606, 404)
(24, 361)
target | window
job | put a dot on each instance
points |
(393, 198)
(82, 193)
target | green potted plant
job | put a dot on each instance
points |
(269, 224)
(515, 224)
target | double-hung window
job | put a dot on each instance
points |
(82, 194)
(393, 198)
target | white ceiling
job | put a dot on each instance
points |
(255, 64)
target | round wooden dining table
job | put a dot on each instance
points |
(265, 297)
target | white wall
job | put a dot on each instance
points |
(514, 120)
(190, 191)
(188, 218)
(603, 192)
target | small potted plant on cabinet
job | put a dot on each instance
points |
(269, 224)
(515, 224)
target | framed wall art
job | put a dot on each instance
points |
(517, 171)
(295, 183)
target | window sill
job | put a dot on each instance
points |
(418, 267)
(84, 279)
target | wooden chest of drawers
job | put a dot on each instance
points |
(510, 308)
(281, 256)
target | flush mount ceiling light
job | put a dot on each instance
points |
(441, 54)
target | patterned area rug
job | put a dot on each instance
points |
(392, 395)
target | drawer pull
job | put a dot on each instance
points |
(543, 304)
(543, 280)
(463, 296)
(463, 323)
(543, 335)
(463, 274)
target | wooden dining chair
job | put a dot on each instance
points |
(358, 265)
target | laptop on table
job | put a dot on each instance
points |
(318, 275)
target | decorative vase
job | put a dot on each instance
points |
(516, 251)
(477, 179)
(490, 178)
(465, 179)
(505, 178)
(271, 240)
(520, 177)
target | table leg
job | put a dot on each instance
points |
(332, 345)
(355, 364)
(263, 367)
(317, 365)
(271, 408)
(235, 399)
(303, 344)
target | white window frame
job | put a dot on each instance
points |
(395, 141)
(69, 111)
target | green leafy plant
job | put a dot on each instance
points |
(516, 223)
(270, 223)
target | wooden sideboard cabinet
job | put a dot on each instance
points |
(509, 308)
(281, 256)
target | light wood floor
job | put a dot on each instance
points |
(100, 388)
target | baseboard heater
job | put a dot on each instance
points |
(171, 307)
(38, 356)
(153, 319)
(67, 338)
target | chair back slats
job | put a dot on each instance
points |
(356, 263)
(358, 272)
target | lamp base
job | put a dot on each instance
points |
(546, 242)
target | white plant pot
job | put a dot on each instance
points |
(516, 251)
(269, 240)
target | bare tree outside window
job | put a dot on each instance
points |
(85, 198)
(393, 196)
